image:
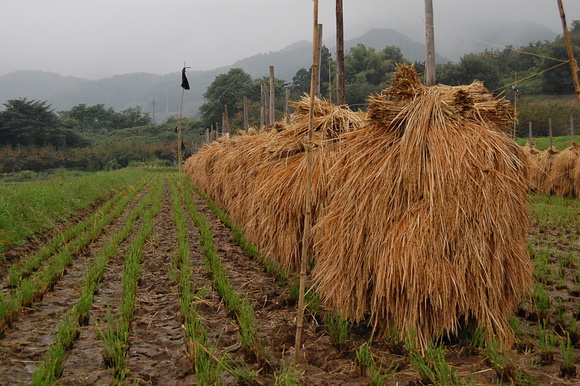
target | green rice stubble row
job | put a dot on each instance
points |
(115, 336)
(21, 270)
(41, 281)
(50, 369)
(239, 305)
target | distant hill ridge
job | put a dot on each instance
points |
(142, 89)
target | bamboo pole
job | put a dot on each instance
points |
(287, 105)
(550, 130)
(340, 93)
(246, 118)
(308, 192)
(179, 152)
(272, 97)
(318, 91)
(430, 44)
(573, 65)
(227, 121)
(262, 105)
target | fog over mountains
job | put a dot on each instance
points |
(162, 93)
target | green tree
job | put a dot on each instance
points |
(301, 83)
(33, 123)
(100, 120)
(471, 67)
(226, 89)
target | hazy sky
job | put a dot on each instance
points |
(100, 38)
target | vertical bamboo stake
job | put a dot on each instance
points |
(308, 192)
(319, 47)
(287, 109)
(550, 130)
(246, 119)
(430, 46)
(227, 121)
(179, 153)
(272, 97)
(573, 65)
(262, 105)
(340, 93)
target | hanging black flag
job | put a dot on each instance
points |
(184, 82)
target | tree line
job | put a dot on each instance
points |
(33, 123)
(540, 68)
(527, 75)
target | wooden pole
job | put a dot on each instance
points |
(179, 153)
(573, 65)
(550, 130)
(319, 47)
(308, 192)
(246, 119)
(227, 121)
(530, 135)
(287, 105)
(262, 105)
(272, 97)
(430, 44)
(340, 92)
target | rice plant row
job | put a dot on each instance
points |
(206, 362)
(50, 369)
(115, 336)
(37, 284)
(241, 307)
(22, 269)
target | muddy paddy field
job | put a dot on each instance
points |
(150, 286)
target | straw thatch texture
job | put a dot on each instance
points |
(426, 220)
(541, 176)
(561, 177)
(534, 172)
(260, 178)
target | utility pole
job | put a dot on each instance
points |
(573, 65)
(430, 44)
(340, 92)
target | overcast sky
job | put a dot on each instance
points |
(99, 38)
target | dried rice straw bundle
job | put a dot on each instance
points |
(534, 173)
(561, 177)
(544, 161)
(277, 204)
(426, 220)
(329, 122)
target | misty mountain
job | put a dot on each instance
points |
(453, 45)
(162, 93)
